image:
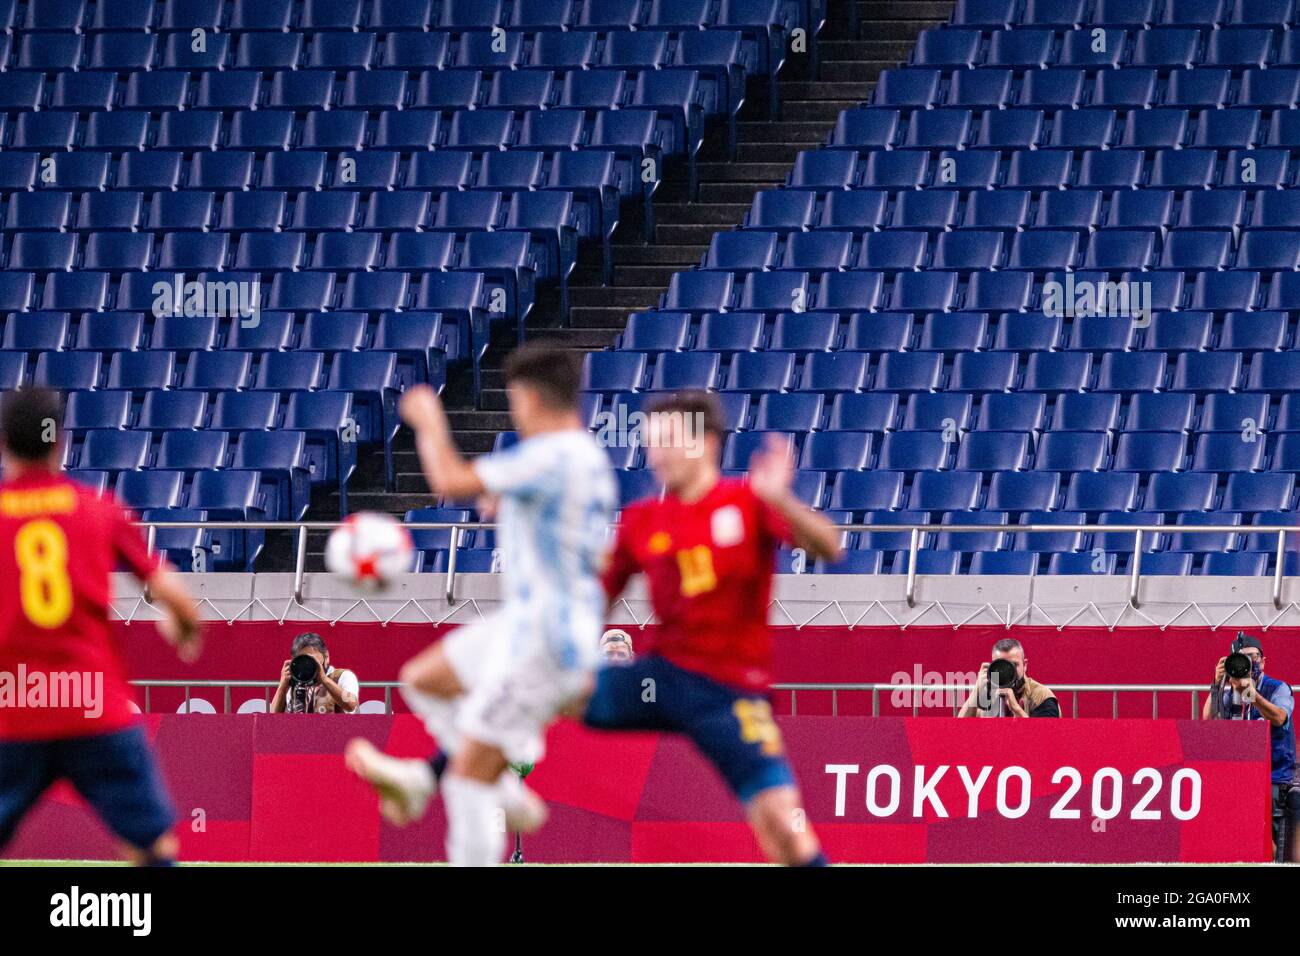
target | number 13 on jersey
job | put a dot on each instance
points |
(695, 565)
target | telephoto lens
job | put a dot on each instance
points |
(1002, 673)
(1237, 666)
(303, 669)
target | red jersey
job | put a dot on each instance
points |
(708, 567)
(61, 670)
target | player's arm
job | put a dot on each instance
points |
(771, 473)
(182, 627)
(620, 562)
(448, 473)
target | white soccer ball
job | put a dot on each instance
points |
(370, 549)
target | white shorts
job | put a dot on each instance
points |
(512, 693)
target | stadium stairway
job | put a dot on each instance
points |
(765, 152)
(766, 149)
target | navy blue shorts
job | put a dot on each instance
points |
(115, 773)
(734, 729)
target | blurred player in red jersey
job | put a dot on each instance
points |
(65, 705)
(708, 550)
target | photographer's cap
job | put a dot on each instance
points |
(616, 635)
(1245, 640)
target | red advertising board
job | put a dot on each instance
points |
(876, 790)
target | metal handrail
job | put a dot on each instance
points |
(301, 528)
(874, 689)
(1073, 689)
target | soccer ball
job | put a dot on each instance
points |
(369, 548)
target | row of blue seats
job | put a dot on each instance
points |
(895, 249)
(899, 248)
(1091, 127)
(313, 91)
(1142, 452)
(456, 294)
(185, 214)
(353, 15)
(1025, 563)
(209, 495)
(1174, 539)
(1070, 87)
(580, 190)
(434, 50)
(913, 372)
(371, 379)
(1161, 47)
(881, 332)
(862, 290)
(884, 497)
(857, 491)
(418, 337)
(1247, 415)
(332, 132)
(154, 206)
(325, 420)
(268, 252)
(1011, 209)
(370, 371)
(1043, 169)
(1133, 13)
(153, 473)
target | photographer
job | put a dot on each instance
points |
(1242, 691)
(1016, 694)
(308, 685)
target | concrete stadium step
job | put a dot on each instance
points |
(743, 172)
(718, 214)
(632, 297)
(872, 11)
(597, 317)
(733, 193)
(638, 274)
(468, 420)
(769, 152)
(787, 131)
(828, 111)
(858, 70)
(645, 255)
(817, 90)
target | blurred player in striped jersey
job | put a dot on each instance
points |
(488, 691)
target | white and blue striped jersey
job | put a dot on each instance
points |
(558, 497)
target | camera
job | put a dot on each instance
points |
(1237, 665)
(1002, 674)
(303, 673)
(304, 669)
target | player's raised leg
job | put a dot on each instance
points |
(434, 683)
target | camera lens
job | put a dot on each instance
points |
(1237, 666)
(1002, 673)
(303, 668)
